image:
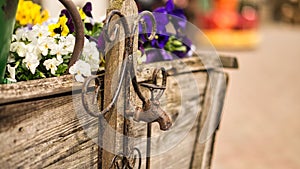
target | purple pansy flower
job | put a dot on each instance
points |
(163, 18)
(88, 26)
(87, 9)
(156, 55)
(160, 41)
(156, 49)
(101, 43)
(160, 26)
(187, 43)
(179, 21)
(70, 21)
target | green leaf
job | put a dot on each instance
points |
(61, 69)
(41, 74)
(181, 48)
(6, 81)
(24, 66)
(67, 57)
(177, 43)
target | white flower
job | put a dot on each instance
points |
(45, 43)
(59, 59)
(140, 58)
(80, 69)
(21, 34)
(22, 49)
(91, 55)
(50, 21)
(68, 43)
(18, 47)
(12, 73)
(51, 64)
(58, 51)
(31, 61)
(40, 31)
(34, 49)
(191, 52)
(11, 58)
(37, 32)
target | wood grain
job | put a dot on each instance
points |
(45, 126)
(184, 110)
(113, 64)
(36, 88)
(50, 86)
(209, 120)
(45, 133)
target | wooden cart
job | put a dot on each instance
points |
(39, 127)
(43, 123)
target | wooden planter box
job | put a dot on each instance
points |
(39, 127)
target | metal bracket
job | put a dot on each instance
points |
(150, 111)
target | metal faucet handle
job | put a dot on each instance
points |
(152, 86)
(164, 121)
(152, 112)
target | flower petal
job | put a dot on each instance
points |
(87, 9)
(101, 43)
(170, 6)
(79, 78)
(160, 41)
(153, 55)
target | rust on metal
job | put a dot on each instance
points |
(79, 30)
(150, 111)
(121, 159)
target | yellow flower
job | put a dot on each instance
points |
(60, 27)
(63, 23)
(35, 10)
(44, 15)
(82, 14)
(52, 28)
(63, 20)
(23, 18)
(65, 30)
(30, 13)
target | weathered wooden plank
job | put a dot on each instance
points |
(190, 152)
(45, 133)
(51, 124)
(177, 86)
(183, 107)
(36, 88)
(50, 86)
(209, 121)
(229, 62)
(187, 65)
(113, 63)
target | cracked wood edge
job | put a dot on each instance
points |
(21, 91)
(111, 143)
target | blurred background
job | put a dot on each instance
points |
(260, 126)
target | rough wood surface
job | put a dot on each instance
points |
(114, 58)
(50, 86)
(45, 133)
(209, 120)
(42, 122)
(184, 107)
(190, 151)
(36, 88)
